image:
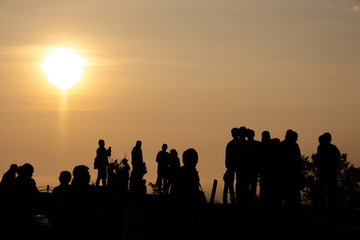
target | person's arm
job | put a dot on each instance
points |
(109, 152)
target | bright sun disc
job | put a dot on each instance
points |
(63, 67)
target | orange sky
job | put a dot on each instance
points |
(177, 72)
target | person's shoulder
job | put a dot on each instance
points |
(32, 182)
(334, 148)
(55, 189)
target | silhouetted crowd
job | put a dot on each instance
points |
(275, 170)
(269, 172)
(78, 210)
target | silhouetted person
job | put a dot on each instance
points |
(123, 175)
(7, 185)
(242, 167)
(102, 155)
(26, 199)
(291, 170)
(230, 164)
(270, 171)
(328, 162)
(61, 202)
(162, 159)
(188, 197)
(111, 175)
(137, 156)
(254, 163)
(85, 221)
(174, 165)
(137, 183)
(64, 179)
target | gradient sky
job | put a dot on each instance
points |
(177, 72)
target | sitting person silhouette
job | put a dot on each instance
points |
(123, 175)
(7, 185)
(85, 221)
(61, 202)
(64, 179)
(188, 196)
(25, 201)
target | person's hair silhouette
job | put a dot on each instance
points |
(190, 158)
(65, 177)
(81, 175)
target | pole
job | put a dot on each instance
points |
(212, 199)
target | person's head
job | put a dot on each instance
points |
(26, 170)
(190, 157)
(294, 136)
(275, 140)
(101, 143)
(250, 134)
(327, 137)
(289, 134)
(14, 168)
(242, 132)
(124, 161)
(235, 133)
(173, 152)
(138, 143)
(164, 147)
(81, 175)
(321, 139)
(265, 136)
(65, 177)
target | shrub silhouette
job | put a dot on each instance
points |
(348, 181)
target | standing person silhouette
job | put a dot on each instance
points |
(162, 158)
(291, 170)
(230, 161)
(137, 156)
(174, 165)
(254, 163)
(328, 161)
(242, 168)
(137, 183)
(102, 155)
(269, 171)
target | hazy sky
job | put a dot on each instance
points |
(177, 72)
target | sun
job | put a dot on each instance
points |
(63, 67)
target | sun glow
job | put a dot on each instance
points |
(63, 67)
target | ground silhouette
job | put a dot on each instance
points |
(122, 209)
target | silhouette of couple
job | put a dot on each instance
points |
(168, 165)
(76, 212)
(20, 198)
